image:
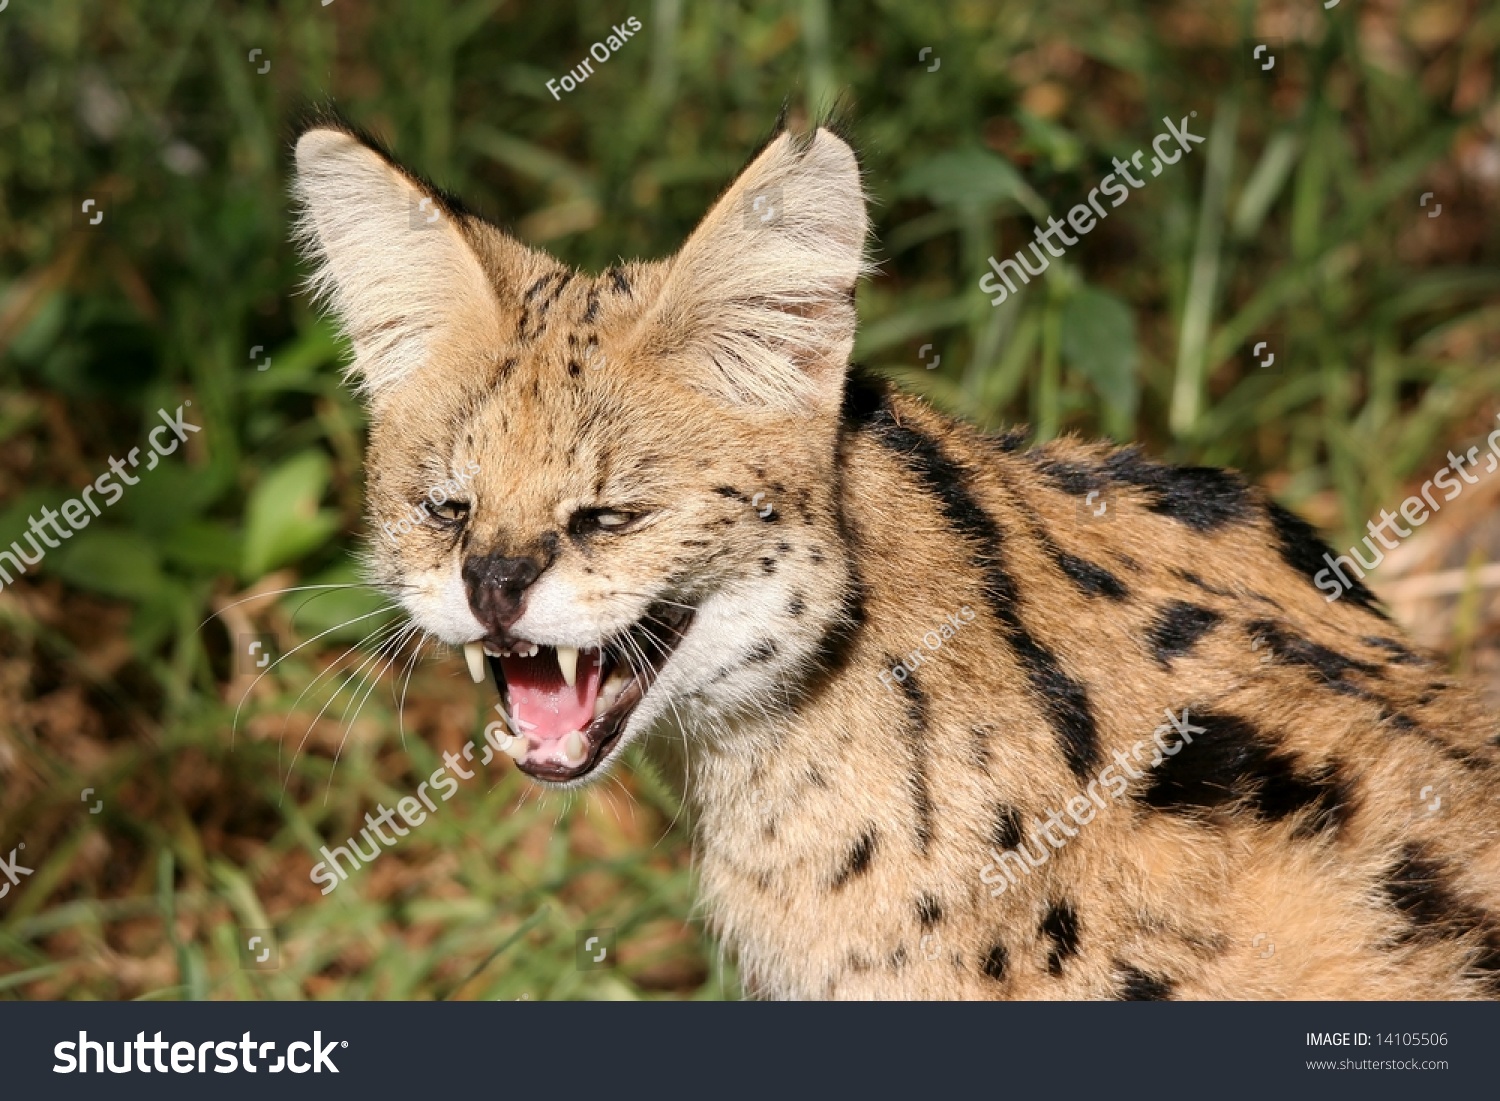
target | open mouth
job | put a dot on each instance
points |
(566, 707)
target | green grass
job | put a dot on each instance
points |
(1299, 218)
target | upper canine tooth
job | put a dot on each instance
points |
(567, 661)
(474, 655)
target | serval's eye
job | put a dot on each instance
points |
(448, 514)
(588, 521)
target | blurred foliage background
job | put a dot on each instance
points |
(125, 656)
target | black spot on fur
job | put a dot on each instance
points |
(836, 645)
(864, 398)
(916, 731)
(1071, 478)
(797, 606)
(1007, 833)
(898, 958)
(591, 310)
(979, 746)
(541, 284)
(1400, 720)
(619, 282)
(858, 860)
(1201, 497)
(994, 962)
(1329, 668)
(1060, 926)
(1061, 697)
(1011, 440)
(1421, 889)
(1177, 629)
(929, 911)
(732, 493)
(1091, 580)
(1193, 579)
(1230, 760)
(534, 306)
(1137, 986)
(762, 651)
(1400, 655)
(575, 369)
(1302, 549)
(768, 565)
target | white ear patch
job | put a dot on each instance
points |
(396, 272)
(763, 291)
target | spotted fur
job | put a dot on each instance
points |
(821, 525)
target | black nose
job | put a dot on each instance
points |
(497, 588)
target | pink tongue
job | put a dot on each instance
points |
(541, 703)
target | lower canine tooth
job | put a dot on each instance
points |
(474, 655)
(516, 746)
(573, 749)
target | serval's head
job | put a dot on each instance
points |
(619, 487)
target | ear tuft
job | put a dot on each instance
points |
(391, 261)
(759, 303)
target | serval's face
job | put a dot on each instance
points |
(616, 487)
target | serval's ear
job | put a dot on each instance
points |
(395, 261)
(758, 306)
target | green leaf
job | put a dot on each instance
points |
(973, 176)
(282, 519)
(202, 547)
(1098, 340)
(115, 562)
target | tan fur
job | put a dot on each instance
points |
(842, 824)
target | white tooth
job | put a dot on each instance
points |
(474, 655)
(612, 688)
(516, 745)
(567, 661)
(573, 751)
